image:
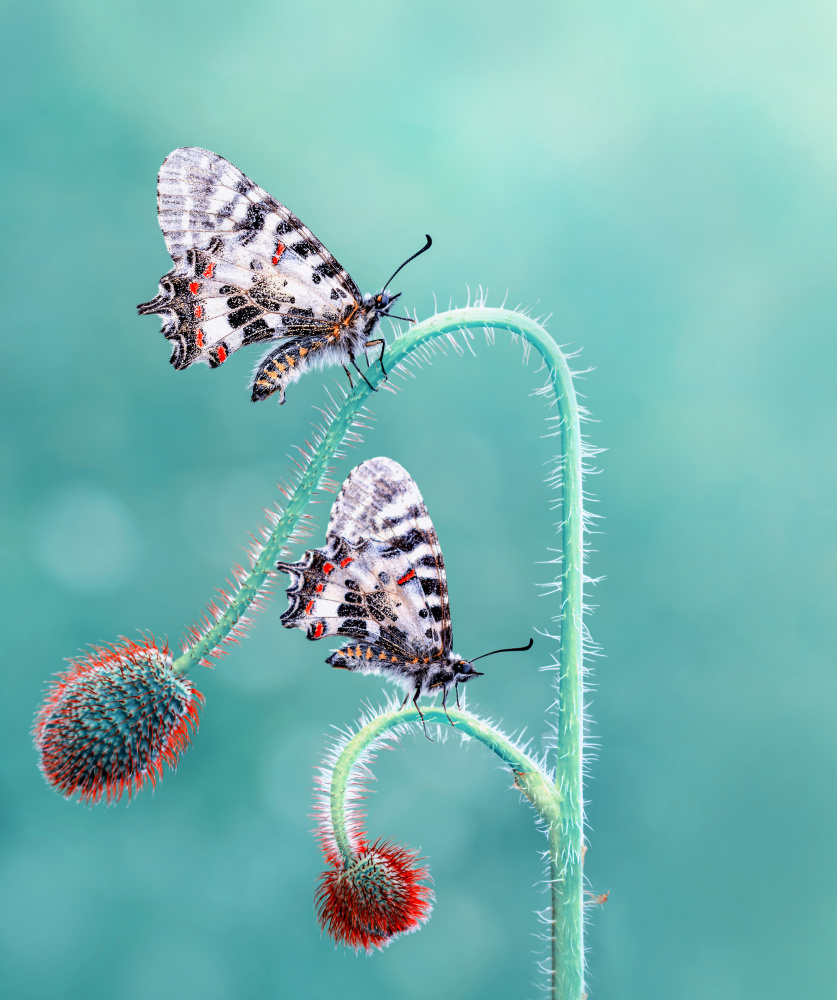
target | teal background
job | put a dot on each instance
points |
(662, 179)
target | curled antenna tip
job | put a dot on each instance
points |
(515, 649)
(418, 253)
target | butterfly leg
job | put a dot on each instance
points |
(349, 374)
(383, 343)
(404, 702)
(445, 707)
(365, 379)
(457, 696)
(423, 723)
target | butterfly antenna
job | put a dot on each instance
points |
(418, 253)
(516, 649)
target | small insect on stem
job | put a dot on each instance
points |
(596, 900)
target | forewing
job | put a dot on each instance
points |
(246, 269)
(381, 508)
(380, 577)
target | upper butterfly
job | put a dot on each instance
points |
(246, 270)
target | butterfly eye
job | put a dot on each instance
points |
(465, 671)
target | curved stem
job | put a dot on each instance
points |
(529, 777)
(565, 846)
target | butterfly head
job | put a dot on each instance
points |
(462, 670)
(380, 302)
(383, 300)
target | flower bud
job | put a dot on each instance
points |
(108, 723)
(378, 894)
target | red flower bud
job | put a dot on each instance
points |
(376, 896)
(108, 724)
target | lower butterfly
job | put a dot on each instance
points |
(247, 271)
(380, 581)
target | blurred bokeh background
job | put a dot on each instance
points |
(662, 179)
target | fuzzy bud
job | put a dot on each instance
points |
(110, 722)
(377, 895)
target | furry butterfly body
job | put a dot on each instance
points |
(247, 271)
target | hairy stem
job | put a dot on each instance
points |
(529, 777)
(566, 843)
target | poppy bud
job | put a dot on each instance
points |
(374, 896)
(108, 723)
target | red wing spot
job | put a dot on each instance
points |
(198, 311)
(319, 588)
(327, 568)
(347, 561)
(406, 577)
(318, 631)
(193, 287)
(280, 249)
(222, 354)
(209, 269)
(308, 607)
(199, 338)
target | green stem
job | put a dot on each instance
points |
(529, 777)
(565, 846)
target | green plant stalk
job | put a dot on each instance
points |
(529, 777)
(565, 839)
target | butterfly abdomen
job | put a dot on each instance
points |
(315, 346)
(371, 658)
(279, 368)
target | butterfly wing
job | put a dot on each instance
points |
(245, 268)
(380, 577)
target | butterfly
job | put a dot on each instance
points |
(380, 581)
(247, 271)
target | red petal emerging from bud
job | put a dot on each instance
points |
(108, 724)
(374, 898)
